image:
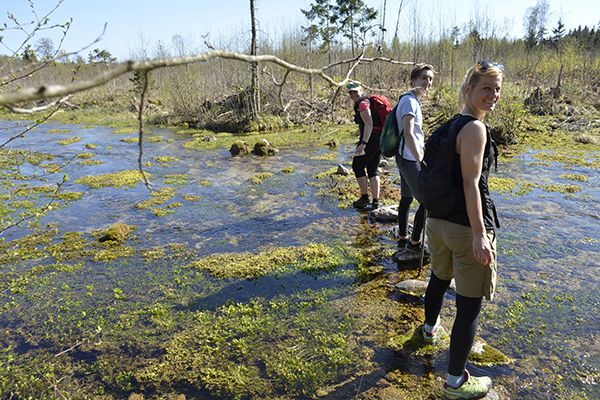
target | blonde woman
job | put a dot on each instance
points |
(463, 244)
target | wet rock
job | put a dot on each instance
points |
(385, 214)
(264, 148)
(209, 139)
(332, 144)
(417, 286)
(413, 286)
(341, 170)
(239, 148)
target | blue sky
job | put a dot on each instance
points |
(137, 25)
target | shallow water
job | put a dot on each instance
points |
(546, 314)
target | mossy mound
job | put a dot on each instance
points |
(118, 232)
(264, 148)
(239, 148)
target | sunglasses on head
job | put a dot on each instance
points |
(485, 65)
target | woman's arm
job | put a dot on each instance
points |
(368, 129)
(471, 146)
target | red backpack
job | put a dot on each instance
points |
(380, 108)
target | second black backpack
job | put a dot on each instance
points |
(436, 183)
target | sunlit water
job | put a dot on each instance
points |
(549, 243)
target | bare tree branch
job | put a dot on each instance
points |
(30, 127)
(18, 110)
(50, 91)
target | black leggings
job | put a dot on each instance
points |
(465, 323)
(403, 209)
(369, 161)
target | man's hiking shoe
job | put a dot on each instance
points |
(433, 337)
(402, 243)
(472, 388)
(416, 248)
(362, 202)
(375, 204)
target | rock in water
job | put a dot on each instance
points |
(385, 214)
(409, 259)
(413, 286)
(341, 170)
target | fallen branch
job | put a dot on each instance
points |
(51, 91)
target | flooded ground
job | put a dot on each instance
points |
(246, 278)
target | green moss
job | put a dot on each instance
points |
(560, 188)
(486, 355)
(502, 185)
(309, 258)
(204, 182)
(118, 232)
(281, 139)
(90, 162)
(288, 170)
(59, 130)
(115, 179)
(84, 155)
(166, 159)
(260, 177)
(157, 197)
(90, 146)
(120, 131)
(153, 254)
(175, 179)
(69, 196)
(69, 141)
(113, 252)
(332, 156)
(575, 177)
(191, 198)
(162, 212)
(258, 349)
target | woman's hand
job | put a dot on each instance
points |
(482, 249)
(360, 149)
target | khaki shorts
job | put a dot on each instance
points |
(451, 247)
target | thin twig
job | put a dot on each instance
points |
(141, 129)
(38, 213)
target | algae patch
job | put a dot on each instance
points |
(309, 258)
(260, 348)
(116, 179)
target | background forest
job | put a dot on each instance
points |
(550, 71)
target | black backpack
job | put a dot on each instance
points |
(436, 182)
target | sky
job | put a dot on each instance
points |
(135, 27)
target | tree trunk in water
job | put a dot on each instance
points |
(254, 85)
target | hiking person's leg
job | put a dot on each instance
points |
(463, 333)
(406, 199)
(441, 274)
(374, 158)
(358, 167)
(419, 221)
(474, 281)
